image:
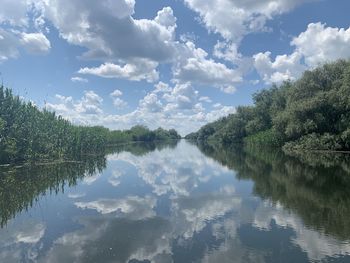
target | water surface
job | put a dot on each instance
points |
(178, 202)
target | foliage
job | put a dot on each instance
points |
(313, 141)
(28, 133)
(267, 138)
(312, 113)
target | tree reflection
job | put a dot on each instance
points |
(316, 186)
(142, 148)
(22, 187)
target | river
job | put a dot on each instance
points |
(178, 202)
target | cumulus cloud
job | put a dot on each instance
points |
(178, 107)
(320, 43)
(11, 41)
(14, 12)
(162, 87)
(14, 22)
(205, 99)
(117, 101)
(109, 31)
(130, 48)
(317, 45)
(183, 96)
(87, 108)
(283, 68)
(227, 51)
(8, 45)
(138, 70)
(116, 93)
(233, 19)
(194, 66)
(151, 103)
(79, 79)
(35, 43)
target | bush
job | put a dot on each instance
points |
(269, 138)
(315, 142)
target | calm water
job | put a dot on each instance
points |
(178, 203)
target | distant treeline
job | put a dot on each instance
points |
(28, 133)
(312, 113)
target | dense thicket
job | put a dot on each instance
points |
(27, 133)
(312, 113)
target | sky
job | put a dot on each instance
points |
(162, 63)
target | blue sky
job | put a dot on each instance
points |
(175, 64)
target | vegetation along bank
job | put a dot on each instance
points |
(30, 134)
(312, 113)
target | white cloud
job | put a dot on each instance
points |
(233, 19)
(79, 79)
(194, 66)
(205, 99)
(8, 45)
(285, 67)
(35, 43)
(14, 12)
(183, 97)
(177, 107)
(151, 103)
(162, 87)
(166, 18)
(14, 16)
(87, 109)
(319, 44)
(108, 30)
(227, 51)
(116, 93)
(229, 89)
(118, 102)
(130, 48)
(138, 70)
